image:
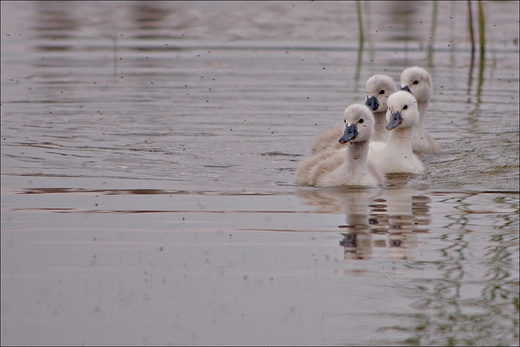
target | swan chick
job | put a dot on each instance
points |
(347, 166)
(418, 82)
(379, 88)
(397, 155)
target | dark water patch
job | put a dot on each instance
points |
(219, 166)
(145, 192)
(274, 154)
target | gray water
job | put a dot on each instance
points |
(148, 159)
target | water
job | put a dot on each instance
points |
(148, 157)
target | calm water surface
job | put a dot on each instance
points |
(147, 171)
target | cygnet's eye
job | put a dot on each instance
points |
(415, 82)
(361, 120)
(382, 91)
(405, 107)
(345, 121)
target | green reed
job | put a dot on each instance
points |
(432, 33)
(482, 42)
(361, 44)
(482, 51)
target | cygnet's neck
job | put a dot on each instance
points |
(380, 132)
(422, 107)
(401, 139)
(357, 153)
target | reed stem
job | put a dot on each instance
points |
(472, 41)
(470, 27)
(432, 33)
(482, 55)
(361, 43)
(481, 28)
(360, 24)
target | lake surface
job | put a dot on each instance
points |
(147, 172)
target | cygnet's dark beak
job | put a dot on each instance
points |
(406, 88)
(372, 103)
(395, 120)
(349, 134)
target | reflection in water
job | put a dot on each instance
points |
(402, 17)
(458, 306)
(398, 214)
(357, 245)
(402, 219)
(357, 242)
(400, 245)
(148, 15)
(460, 218)
(61, 21)
(55, 21)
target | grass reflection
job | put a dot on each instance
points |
(472, 209)
(460, 219)
(459, 306)
(508, 220)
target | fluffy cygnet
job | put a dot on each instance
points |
(397, 155)
(418, 81)
(347, 166)
(378, 88)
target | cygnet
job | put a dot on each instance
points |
(417, 81)
(378, 89)
(397, 155)
(347, 166)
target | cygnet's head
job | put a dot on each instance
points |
(359, 124)
(417, 81)
(379, 88)
(402, 110)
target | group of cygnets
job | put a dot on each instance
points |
(379, 137)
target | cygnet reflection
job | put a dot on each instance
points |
(404, 217)
(388, 219)
(357, 242)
